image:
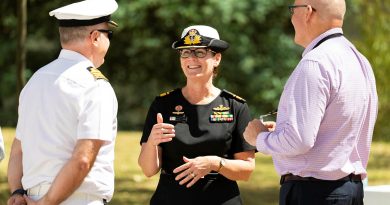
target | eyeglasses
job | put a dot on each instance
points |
(199, 53)
(110, 33)
(292, 7)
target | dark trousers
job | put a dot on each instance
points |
(206, 191)
(321, 193)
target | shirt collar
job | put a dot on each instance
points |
(74, 56)
(323, 35)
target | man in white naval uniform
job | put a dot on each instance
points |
(63, 152)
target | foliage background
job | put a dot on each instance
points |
(141, 64)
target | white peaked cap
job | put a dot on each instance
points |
(203, 30)
(201, 36)
(87, 12)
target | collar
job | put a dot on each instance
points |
(323, 35)
(74, 56)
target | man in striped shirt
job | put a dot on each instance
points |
(321, 140)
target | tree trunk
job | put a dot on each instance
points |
(21, 48)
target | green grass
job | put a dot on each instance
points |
(133, 188)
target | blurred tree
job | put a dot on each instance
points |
(8, 34)
(373, 17)
(22, 35)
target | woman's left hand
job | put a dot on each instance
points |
(192, 170)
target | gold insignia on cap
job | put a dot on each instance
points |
(97, 74)
(192, 37)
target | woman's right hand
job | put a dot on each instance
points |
(161, 132)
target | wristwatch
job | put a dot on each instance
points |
(19, 192)
(222, 163)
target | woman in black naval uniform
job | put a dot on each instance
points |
(194, 134)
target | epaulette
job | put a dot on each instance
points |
(97, 74)
(165, 93)
(235, 96)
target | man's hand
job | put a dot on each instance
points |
(251, 131)
(254, 128)
(16, 199)
(270, 125)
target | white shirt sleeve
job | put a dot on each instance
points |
(97, 117)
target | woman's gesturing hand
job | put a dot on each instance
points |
(161, 132)
(192, 170)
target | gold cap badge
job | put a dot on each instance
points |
(192, 37)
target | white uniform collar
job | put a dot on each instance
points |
(74, 56)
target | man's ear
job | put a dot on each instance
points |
(309, 13)
(94, 37)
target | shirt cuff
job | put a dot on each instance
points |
(260, 142)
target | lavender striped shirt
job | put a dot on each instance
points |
(326, 113)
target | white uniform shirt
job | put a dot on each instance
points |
(62, 103)
(2, 151)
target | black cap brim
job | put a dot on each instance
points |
(89, 22)
(215, 45)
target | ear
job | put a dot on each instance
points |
(218, 58)
(309, 13)
(94, 37)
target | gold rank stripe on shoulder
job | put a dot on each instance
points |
(235, 96)
(165, 94)
(97, 74)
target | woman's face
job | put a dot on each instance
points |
(199, 63)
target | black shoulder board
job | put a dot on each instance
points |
(165, 93)
(97, 74)
(235, 96)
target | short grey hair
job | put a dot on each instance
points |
(73, 34)
(329, 9)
